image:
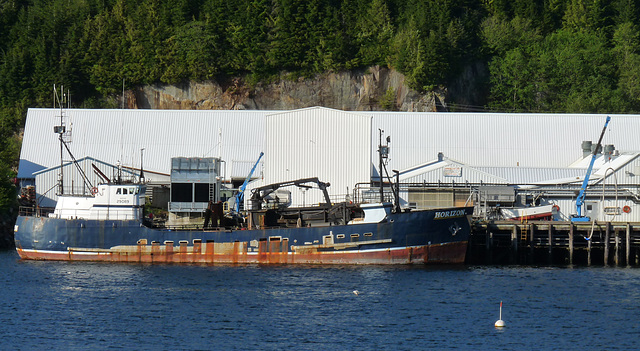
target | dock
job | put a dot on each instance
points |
(554, 243)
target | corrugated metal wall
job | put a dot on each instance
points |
(497, 139)
(316, 142)
(118, 135)
(568, 208)
(492, 140)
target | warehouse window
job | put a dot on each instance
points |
(431, 199)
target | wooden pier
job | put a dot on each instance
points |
(555, 243)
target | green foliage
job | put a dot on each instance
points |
(569, 71)
(501, 35)
(542, 55)
(190, 54)
(9, 150)
(373, 33)
(388, 100)
(627, 55)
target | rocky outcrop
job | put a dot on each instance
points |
(377, 88)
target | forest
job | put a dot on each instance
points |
(573, 56)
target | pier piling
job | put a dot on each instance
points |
(616, 257)
(628, 245)
(553, 242)
(607, 235)
(550, 239)
(514, 244)
(571, 229)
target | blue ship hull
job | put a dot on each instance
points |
(431, 236)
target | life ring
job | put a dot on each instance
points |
(626, 209)
(556, 208)
(94, 190)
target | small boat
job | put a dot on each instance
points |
(527, 213)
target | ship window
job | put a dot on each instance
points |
(132, 191)
(118, 191)
(340, 236)
(197, 241)
(355, 235)
(368, 234)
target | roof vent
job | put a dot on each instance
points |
(608, 151)
(586, 148)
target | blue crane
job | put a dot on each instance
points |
(580, 200)
(240, 194)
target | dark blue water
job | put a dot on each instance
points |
(80, 306)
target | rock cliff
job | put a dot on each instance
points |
(376, 88)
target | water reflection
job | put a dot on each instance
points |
(99, 305)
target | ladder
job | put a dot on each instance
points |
(524, 228)
(212, 180)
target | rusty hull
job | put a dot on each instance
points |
(267, 253)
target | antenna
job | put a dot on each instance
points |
(141, 169)
(220, 143)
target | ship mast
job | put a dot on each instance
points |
(383, 151)
(60, 129)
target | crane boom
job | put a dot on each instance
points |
(240, 194)
(580, 199)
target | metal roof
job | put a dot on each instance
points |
(536, 175)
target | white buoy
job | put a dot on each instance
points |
(500, 322)
(356, 292)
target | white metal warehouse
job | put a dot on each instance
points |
(337, 146)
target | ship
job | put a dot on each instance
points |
(109, 225)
